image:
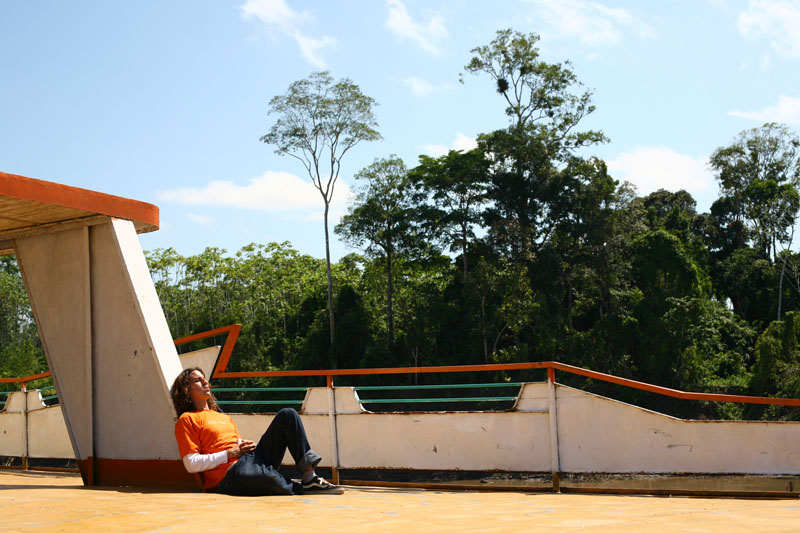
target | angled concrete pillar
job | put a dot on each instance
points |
(102, 327)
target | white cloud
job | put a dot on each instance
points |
(279, 17)
(272, 192)
(590, 22)
(426, 36)
(777, 21)
(786, 110)
(274, 13)
(310, 48)
(202, 220)
(435, 150)
(652, 168)
(421, 87)
(461, 142)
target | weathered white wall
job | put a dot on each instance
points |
(595, 434)
(204, 359)
(464, 441)
(12, 425)
(47, 433)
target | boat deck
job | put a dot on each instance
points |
(36, 501)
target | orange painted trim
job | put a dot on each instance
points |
(145, 215)
(227, 348)
(138, 473)
(26, 379)
(86, 468)
(665, 391)
(378, 371)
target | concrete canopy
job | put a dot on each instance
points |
(32, 207)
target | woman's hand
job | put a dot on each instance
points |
(244, 446)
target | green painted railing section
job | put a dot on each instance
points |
(378, 388)
(44, 398)
(51, 397)
(260, 402)
(441, 400)
(438, 387)
(360, 388)
(451, 386)
(260, 389)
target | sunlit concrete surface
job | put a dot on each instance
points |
(51, 502)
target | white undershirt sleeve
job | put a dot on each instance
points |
(200, 462)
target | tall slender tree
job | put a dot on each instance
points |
(319, 121)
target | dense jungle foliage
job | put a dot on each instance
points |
(523, 249)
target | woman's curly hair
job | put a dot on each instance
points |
(180, 393)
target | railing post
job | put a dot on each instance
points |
(334, 435)
(24, 426)
(552, 413)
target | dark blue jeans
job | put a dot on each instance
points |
(256, 474)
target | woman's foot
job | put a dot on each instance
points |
(319, 485)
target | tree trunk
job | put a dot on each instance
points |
(464, 251)
(569, 304)
(497, 338)
(780, 287)
(389, 292)
(783, 272)
(415, 355)
(483, 330)
(328, 265)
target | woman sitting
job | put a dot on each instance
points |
(209, 442)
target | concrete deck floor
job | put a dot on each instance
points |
(58, 502)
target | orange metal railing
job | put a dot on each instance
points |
(550, 366)
(232, 332)
(25, 380)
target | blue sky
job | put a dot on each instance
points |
(165, 101)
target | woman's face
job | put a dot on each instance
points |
(199, 389)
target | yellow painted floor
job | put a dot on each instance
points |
(56, 502)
